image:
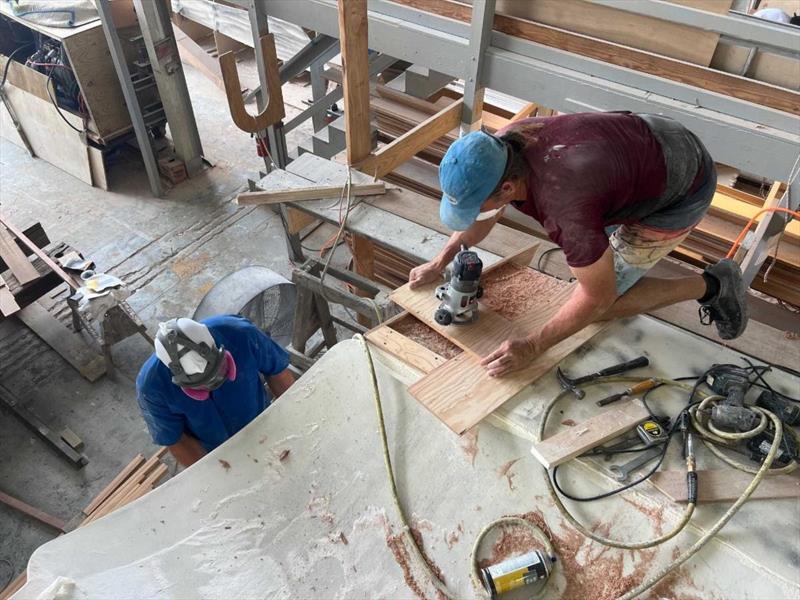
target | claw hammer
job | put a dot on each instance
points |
(572, 384)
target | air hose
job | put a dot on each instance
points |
(709, 439)
(502, 521)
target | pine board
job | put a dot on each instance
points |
(589, 434)
(407, 350)
(726, 485)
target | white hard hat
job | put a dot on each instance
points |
(188, 349)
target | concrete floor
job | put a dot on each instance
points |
(170, 252)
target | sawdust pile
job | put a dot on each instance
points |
(511, 291)
(600, 574)
(417, 331)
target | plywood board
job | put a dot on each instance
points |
(726, 485)
(461, 393)
(51, 138)
(8, 305)
(91, 62)
(589, 434)
(479, 338)
(26, 78)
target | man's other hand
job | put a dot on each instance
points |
(425, 273)
(512, 355)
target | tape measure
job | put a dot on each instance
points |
(651, 432)
(516, 572)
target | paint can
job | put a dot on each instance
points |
(516, 572)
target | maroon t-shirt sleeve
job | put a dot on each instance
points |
(574, 223)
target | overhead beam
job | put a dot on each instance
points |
(765, 34)
(355, 66)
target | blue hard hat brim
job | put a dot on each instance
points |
(457, 218)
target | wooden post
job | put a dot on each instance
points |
(355, 65)
(354, 43)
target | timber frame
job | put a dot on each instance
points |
(747, 124)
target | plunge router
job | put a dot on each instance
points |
(460, 295)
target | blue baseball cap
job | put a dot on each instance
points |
(468, 174)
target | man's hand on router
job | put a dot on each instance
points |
(425, 273)
(511, 355)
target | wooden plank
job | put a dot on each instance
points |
(355, 65)
(114, 484)
(23, 239)
(51, 138)
(416, 140)
(16, 260)
(310, 193)
(8, 304)
(33, 512)
(69, 346)
(13, 587)
(679, 68)
(589, 434)
(409, 351)
(461, 393)
(529, 110)
(725, 485)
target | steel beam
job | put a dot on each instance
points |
(480, 33)
(162, 49)
(124, 76)
(322, 47)
(765, 34)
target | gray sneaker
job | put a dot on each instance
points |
(728, 309)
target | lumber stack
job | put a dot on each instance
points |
(138, 478)
(134, 481)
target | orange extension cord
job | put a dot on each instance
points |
(746, 228)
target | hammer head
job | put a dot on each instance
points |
(569, 384)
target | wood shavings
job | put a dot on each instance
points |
(417, 331)
(225, 464)
(284, 455)
(511, 291)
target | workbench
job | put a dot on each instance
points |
(252, 519)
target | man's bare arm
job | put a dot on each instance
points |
(431, 271)
(281, 382)
(187, 450)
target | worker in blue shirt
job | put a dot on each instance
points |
(203, 383)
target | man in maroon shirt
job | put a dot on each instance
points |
(616, 191)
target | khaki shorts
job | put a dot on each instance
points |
(637, 248)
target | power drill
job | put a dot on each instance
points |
(731, 413)
(460, 295)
